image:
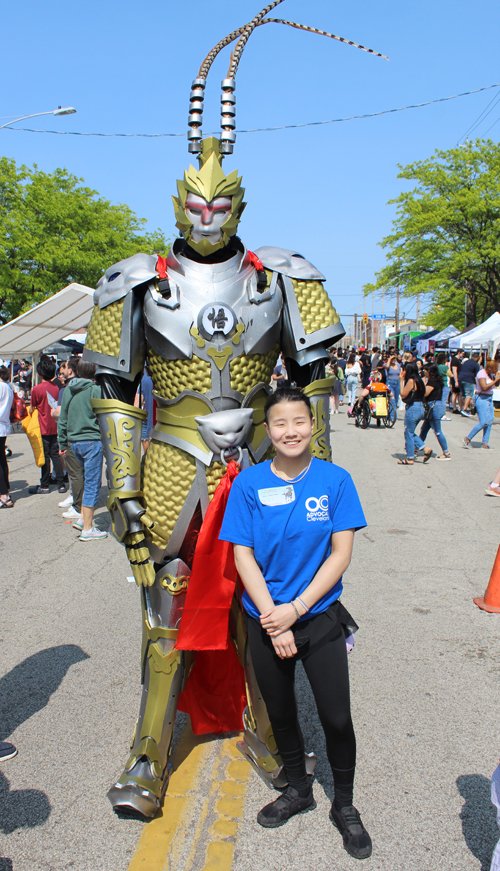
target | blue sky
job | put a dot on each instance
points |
(127, 67)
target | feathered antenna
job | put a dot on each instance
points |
(228, 100)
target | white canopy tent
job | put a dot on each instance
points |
(480, 336)
(448, 333)
(46, 323)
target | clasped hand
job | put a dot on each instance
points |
(277, 624)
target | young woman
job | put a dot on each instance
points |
(337, 391)
(393, 373)
(486, 381)
(443, 371)
(412, 392)
(292, 523)
(434, 399)
(352, 373)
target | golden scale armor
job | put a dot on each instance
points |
(209, 321)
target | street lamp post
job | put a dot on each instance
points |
(67, 110)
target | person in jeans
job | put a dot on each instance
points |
(412, 390)
(486, 381)
(44, 397)
(73, 504)
(352, 373)
(434, 399)
(393, 373)
(78, 428)
(443, 371)
(467, 380)
(493, 488)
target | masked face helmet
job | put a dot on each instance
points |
(210, 203)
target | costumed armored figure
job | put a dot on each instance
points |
(210, 320)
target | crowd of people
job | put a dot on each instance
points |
(69, 434)
(425, 388)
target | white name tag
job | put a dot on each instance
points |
(277, 495)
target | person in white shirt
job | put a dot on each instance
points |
(352, 373)
(6, 400)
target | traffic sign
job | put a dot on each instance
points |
(380, 317)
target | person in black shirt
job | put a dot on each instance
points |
(434, 412)
(467, 380)
(366, 368)
(280, 375)
(412, 393)
(455, 366)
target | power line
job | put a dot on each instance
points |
(489, 128)
(263, 129)
(481, 117)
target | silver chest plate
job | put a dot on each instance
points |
(218, 301)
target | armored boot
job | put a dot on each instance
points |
(141, 787)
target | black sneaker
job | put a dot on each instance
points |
(287, 805)
(7, 751)
(357, 841)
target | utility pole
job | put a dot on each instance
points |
(418, 311)
(372, 328)
(356, 329)
(396, 316)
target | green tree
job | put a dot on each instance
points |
(446, 235)
(54, 230)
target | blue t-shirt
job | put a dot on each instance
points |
(290, 526)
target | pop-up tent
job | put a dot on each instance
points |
(480, 336)
(446, 334)
(46, 323)
(421, 342)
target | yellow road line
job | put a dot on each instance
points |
(197, 818)
(228, 808)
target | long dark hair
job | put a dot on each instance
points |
(411, 371)
(351, 360)
(434, 373)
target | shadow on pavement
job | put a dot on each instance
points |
(479, 820)
(6, 864)
(21, 809)
(28, 687)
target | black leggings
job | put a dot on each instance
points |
(4, 469)
(321, 646)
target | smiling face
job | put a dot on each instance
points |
(290, 428)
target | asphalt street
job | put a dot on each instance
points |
(425, 677)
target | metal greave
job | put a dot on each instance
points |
(140, 789)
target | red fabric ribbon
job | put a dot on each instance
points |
(215, 694)
(161, 267)
(254, 260)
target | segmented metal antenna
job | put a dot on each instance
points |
(228, 85)
(195, 118)
(228, 99)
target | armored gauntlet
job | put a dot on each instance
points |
(120, 426)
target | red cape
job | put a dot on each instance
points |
(215, 694)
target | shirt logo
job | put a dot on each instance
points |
(317, 509)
